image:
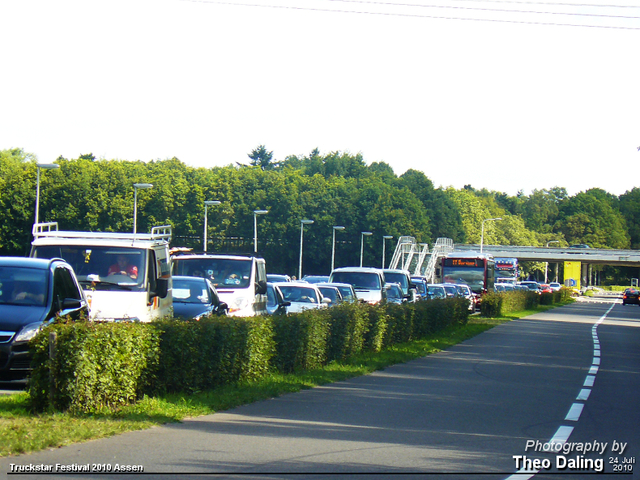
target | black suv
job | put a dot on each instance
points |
(33, 291)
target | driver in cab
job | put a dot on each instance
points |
(123, 267)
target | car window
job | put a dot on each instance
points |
(63, 285)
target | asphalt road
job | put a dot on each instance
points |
(566, 378)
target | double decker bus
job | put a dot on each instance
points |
(474, 269)
(506, 270)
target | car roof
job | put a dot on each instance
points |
(216, 256)
(334, 284)
(27, 262)
(358, 269)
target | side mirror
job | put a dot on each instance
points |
(261, 287)
(70, 304)
(326, 300)
(222, 308)
(162, 288)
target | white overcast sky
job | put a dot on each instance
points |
(479, 92)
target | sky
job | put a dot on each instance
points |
(487, 93)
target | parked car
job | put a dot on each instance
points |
(277, 278)
(395, 293)
(33, 292)
(315, 278)
(346, 290)
(465, 291)
(196, 297)
(545, 288)
(302, 296)
(631, 296)
(402, 278)
(504, 287)
(276, 304)
(435, 291)
(331, 292)
(421, 287)
(450, 289)
(367, 282)
(555, 286)
(531, 285)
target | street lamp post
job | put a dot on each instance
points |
(302, 224)
(206, 204)
(362, 244)
(482, 234)
(546, 264)
(137, 186)
(333, 245)
(45, 166)
(384, 243)
(255, 227)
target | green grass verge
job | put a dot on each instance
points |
(23, 432)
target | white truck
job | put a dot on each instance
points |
(125, 276)
(241, 280)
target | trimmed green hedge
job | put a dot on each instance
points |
(106, 365)
(500, 304)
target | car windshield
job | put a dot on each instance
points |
(294, 293)
(190, 291)
(346, 292)
(359, 280)
(436, 291)
(394, 291)
(399, 278)
(331, 293)
(23, 286)
(101, 267)
(224, 273)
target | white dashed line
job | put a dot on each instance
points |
(573, 415)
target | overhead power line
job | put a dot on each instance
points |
(442, 17)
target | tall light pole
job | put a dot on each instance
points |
(546, 264)
(255, 227)
(137, 186)
(206, 204)
(384, 243)
(333, 246)
(482, 234)
(45, 166)
(362, 244)
(302, 224)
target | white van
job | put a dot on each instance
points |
(241, 281)
(125, 276)
(367, 282)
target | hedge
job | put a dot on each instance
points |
(106, 365)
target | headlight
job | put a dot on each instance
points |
(28, 332)
(239, 303)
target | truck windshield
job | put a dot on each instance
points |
(101, 267)
(224, 273)
(359, 280)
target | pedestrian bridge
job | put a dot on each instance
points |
(593, 256)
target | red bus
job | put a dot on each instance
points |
(474, 269)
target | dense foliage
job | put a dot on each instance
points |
(333, 189)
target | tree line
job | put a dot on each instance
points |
(334, 189)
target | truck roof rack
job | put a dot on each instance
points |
(50, 230)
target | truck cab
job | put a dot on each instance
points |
(125, 276)
(241, 280)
